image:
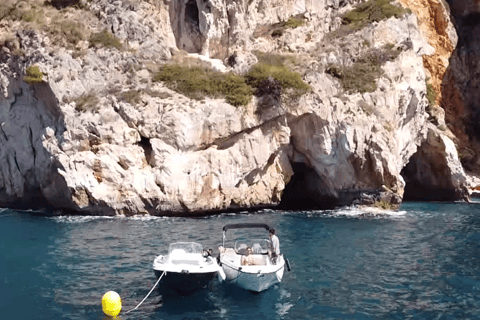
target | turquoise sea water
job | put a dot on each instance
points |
(422, 262)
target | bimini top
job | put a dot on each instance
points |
(245, 225)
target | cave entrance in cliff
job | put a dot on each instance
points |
(194, 39)
(147, 148)
(420, 182)
(305, 192)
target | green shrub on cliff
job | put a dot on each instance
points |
(236, 91)
(4, 11)
(366, 13)
(363, 74)
(372, 11)
(105, 39)
(197, 83)
(34, 75)
(431, 94)
(273, 58)
(87, 102)
(20, 11)
(277, 66)
(277, 29)
(66, 31)
(288, 79)
(295, 22)
(132, 96)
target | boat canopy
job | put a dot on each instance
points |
(245, 225)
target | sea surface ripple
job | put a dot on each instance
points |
(421, 262)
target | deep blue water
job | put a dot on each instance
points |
(420, 263)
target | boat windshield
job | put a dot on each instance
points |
(257, 246)
(187, 247)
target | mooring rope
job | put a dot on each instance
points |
(148, 293)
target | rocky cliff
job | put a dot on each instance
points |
(91, 131)
(461, 83)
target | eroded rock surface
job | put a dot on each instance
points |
(162, 153)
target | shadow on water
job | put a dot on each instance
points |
(196, 303)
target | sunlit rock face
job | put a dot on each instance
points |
(163, 153)
(28, 175)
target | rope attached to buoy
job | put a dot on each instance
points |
(148, 293)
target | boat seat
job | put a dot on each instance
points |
(229, 251)
(254, 260)
(257, 248)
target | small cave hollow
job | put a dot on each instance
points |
(305, 191)
(424, 182)
(147, 148)
(193, 40)
(33, 199)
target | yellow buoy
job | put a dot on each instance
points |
(111, 303)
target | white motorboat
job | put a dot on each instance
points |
(249, 264)
(188, 267)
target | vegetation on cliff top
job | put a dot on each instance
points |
(279, 67)
(277, 29)
(197, 82)
(65, 28)
(372, 11)
(362, 75)
(366, 13)
(106, 39)
(286, 78)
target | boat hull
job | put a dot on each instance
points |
(255, 279)
(183, 282)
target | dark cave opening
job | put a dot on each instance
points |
(191, 13)
(419, 185)
(192, 26)
(147, 148)
(304, 191)
(33, 199)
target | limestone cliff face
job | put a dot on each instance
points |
(461, 83)
(430, 174)
(166, 154)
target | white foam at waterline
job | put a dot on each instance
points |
(230, 213)
(148, 218)
(355, 212)
(80, 219)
